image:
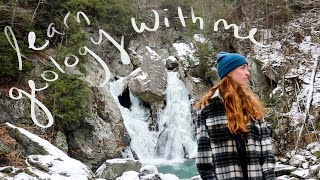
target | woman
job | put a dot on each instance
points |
(233, 140)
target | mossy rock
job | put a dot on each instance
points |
(317, 154)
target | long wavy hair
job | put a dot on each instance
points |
(240, 104)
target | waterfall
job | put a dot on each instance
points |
(176, 127)
(174, 141)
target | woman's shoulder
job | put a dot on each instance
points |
(214, 106)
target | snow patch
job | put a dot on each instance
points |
(57, 163)
(196, 80)
(172, 58)
(199, 38)
(182, 49)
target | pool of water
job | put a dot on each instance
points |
(183, 170)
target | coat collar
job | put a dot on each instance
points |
(216, 94)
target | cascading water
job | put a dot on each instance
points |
(174, 141)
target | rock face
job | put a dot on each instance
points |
(288, 65)
(13, 111)
(44, 161)
(109, 54)
(92, 140)
(102, 135)
(195, 86)
(61, 141)
(111, 169)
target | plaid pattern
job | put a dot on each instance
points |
(217, 156)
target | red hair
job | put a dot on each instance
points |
(240, 104)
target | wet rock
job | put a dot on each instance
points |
(172, 63)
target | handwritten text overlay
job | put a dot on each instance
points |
(84, 50)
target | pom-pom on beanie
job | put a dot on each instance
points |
(227, 62)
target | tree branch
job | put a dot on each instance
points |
(309, 99)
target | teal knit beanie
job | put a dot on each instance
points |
(228, 62)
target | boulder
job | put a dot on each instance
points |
(149, 172)
(113, 168)
(149, 169)
(151, 177)
(282, 169)
(297, 160)
(300, 173)
(129, 175)
(150, 84)
(172, 63)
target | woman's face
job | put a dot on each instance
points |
(240, 75)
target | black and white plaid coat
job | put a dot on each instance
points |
(217, 156)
